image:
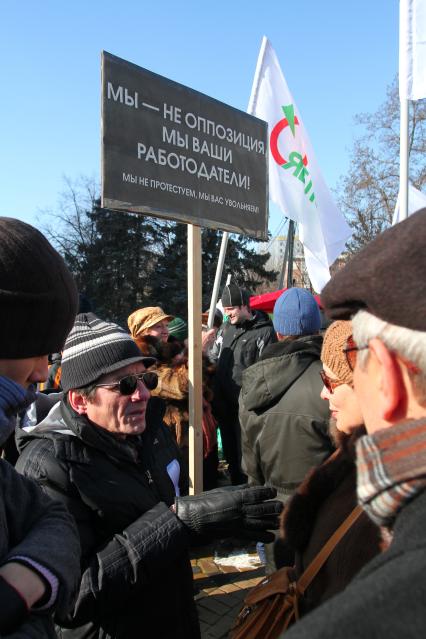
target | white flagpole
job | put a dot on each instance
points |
(255, 88)
(405, 63)
(403, 161)
(224, 243)
(218, 277)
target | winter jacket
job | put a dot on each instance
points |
(35, 527)
(137, 578)
(237, 347)
(387, 598)
(284, 421)
(321, 503)
(172, 392)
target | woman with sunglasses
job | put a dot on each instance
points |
(328, 493)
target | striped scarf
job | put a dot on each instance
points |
(391, 466)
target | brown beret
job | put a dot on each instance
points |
(386, 278)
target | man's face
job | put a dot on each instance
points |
(119, 414)
(29, 370)
(237, 314)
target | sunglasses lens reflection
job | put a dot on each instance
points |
(150, 380)
(326, 381)
(128, 385)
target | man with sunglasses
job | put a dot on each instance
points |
(103, 452)
(383, 288)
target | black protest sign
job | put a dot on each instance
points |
(172, 152)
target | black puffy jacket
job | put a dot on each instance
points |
(136, 574)
(237, 347)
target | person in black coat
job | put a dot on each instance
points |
(117, 468)
(239, 344)
(39, 546)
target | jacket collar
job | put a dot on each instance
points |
(99, 438)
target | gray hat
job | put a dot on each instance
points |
(94, 348)
(387, 278)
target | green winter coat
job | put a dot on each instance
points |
(284, 422)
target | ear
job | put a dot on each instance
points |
(77, 401)
(390, 382)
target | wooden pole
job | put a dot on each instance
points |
(195, 398)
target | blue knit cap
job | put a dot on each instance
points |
(296, 313)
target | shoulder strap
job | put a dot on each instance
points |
(320, 559)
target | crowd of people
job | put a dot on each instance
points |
(317, 425)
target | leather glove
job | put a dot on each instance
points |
(232, 512)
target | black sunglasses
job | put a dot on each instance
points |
(127, 385)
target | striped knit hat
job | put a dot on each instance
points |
(178, 328)
(94, 348)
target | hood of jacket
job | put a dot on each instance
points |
(279, 368)
(259, 319)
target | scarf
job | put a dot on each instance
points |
(391, 467)
(13, 399)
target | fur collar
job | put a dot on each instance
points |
(298, 518)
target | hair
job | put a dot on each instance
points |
(87, 391)
(407, 343)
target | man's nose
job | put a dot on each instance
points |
(41, 369)
(141, 392)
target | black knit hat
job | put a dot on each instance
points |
(233, 295)
(94, 348)
(387, 278)
(38, 296)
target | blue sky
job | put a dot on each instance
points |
(337, 57)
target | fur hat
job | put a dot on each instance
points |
(38, 296)
(332, 354)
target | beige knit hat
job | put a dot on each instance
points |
(332, 354)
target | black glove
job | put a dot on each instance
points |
(232, 512)
(13, 609)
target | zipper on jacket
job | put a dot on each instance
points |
(149, 476)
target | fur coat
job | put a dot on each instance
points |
(172, 370)
(321, 503)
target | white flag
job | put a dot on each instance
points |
(416, 201)
(412, 49)
(295, 181)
